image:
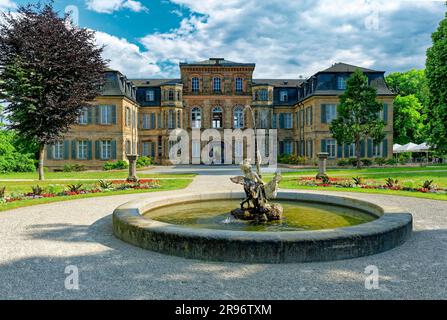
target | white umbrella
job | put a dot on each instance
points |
(396, 147)
(409, 147)
(423, 147)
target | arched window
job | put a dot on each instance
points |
(217, 87)
(196, 118)
(239, 85)
(238, 117)
(217, 117)
(195, 84)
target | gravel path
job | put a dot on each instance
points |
(38, 243)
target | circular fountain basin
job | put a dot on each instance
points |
(317, 227)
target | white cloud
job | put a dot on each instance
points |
(7, 4)
(109, 6)
(288, 38)
(126, 57)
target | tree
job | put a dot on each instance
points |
(410, 82)
(436, 71)
(357, 114)
(49, 70)
(408, 120)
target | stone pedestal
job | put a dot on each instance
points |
(132, 167)
(322, 160)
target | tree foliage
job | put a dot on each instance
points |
(411, 82)
(11, 160)
(357, 114)
(49, 70)
(408, 120)
(436, 71)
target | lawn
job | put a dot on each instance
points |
(411, 177)
(24, 187)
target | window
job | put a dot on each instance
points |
(146, 121)
(238, 117)
(171, 119)
(83, 116)
(330, 112)
(351, 151)
(341, 83)
(288, 147)
(264, 119)
(309, 116)
(283, 96)
(195, 84)
(377, 150)
(106, 114)
(145, 152)
(287, 121)
(217, 84)
(239, 85)
(263, 95)
(274, 121)
(106, 149)
(309, 148)
(196, 118)
(82, 150)
(217, 117)
(128, 119)
(171, 95)
(179, 120)
(150, 95)
(58, 150)
(331, 147)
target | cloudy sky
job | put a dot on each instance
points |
(285, 38)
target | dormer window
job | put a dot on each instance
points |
(150, 95)
(341, 83)
(171, 95)
(283, 96)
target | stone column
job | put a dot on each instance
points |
(322, 159)
(132, 167)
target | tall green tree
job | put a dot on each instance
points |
(357, 114)
(49, 70)
(410, 82)
(436, 71)
(408, 120)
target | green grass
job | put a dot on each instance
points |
(165, 185)
(121, 174)
(407, 177)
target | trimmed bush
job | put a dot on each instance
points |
(117, 165)
(367, 162)
(343, 163)
(380, 161)
(391, 161)
(291, 159)
(144, 162)
(74, 168)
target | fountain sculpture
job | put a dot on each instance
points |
(256, 207)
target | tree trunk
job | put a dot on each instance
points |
(357, 153)
(41, 157)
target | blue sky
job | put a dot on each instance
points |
(285, 38)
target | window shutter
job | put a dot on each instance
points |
(73, 150)
(153, 150)
(370, 148)
(89, 146)
(91, 115)
(49, 152)
(152, 120)
(362, 148)
(281, 120)
(346, 150)
(113, 115)
(323, 145)
(281, 147)
(113, 149)
(385, 148)
(66, 149)
(297, 120)
(339, 150)
(323, 113)
(97, 114)
(385, 113)
(97, 150)
(311, 115)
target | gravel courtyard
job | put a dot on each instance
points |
(38, 243)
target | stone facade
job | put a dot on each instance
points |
(136, 116)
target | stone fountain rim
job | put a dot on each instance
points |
(391, 228)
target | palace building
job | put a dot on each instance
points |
(135, 116)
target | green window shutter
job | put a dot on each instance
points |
(89, 147)
(153, 150)
(281, 120)
(362, 148)
(91, 115)
(370, 148)
(323, 145)
(66, 149)
(281, 147)
(97, 150)
(385, 148)
(311, 115)
(385, 113)
(113, 149)
(339, 150)
(49, 152)
(152, 120)
(113, 115)
(323, 113)
(346, 150)
(73, 150)
(97, 114)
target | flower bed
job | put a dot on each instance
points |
(367, 184)
(80, 189)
